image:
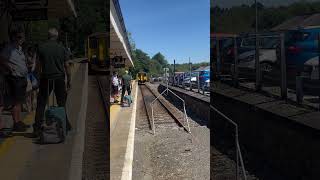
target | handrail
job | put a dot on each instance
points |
(184, 110)
(238, 153)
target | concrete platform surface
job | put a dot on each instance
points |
(21, 158)
(122, 120)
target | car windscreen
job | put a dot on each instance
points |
(269, 43)
(296, 36)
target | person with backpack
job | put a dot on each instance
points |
(126, 85)
(55, 74)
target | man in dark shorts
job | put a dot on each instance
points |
(126, 85)
(53, 59)
(14, 61)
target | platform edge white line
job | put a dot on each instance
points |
(127, 167)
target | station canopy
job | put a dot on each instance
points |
(119, 43)
(42, 9)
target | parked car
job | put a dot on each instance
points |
(187, 78)
(301, 48)
(267, 53)
(204, 78)
(311, 68)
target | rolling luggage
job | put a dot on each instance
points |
(53, 129)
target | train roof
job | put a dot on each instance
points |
(99, 34)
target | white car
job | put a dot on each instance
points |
(267, 58)
(311, 68)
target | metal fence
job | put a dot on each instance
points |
(190, 81)
(237, 61)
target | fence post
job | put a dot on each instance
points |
(319, 64)
(236, 72)
(198, 81)
(283, 68)
(299, 89)
(203, 88)
(183, 86)
(257, 65)
(218, 57)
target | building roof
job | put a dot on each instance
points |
(203, 68)
(303, 21)
(222, 35)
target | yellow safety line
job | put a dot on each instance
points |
(8, 142)
(5, 145)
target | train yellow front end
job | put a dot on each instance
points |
(97, 52)
(142, 78)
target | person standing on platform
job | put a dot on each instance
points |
(115, 86)
(53, 59)
(126, 85)
(14, 71)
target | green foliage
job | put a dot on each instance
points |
(92, 17)
(185, 67)
(243, 17)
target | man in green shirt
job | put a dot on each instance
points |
(126, 85)
(53, 59)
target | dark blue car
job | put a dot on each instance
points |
(204, 78)
(301, 46)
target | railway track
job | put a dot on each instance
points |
(165, 113)
(97, 142)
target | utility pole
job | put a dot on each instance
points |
(174, 72)
(190, 74)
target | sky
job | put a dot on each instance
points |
(230, 3)
(178, 29)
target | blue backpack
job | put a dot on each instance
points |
(53, 130)
(128, 99)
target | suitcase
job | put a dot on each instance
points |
(53, 130)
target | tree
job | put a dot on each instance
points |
(140, 61)
(160, 59)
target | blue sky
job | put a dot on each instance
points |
(179, 29)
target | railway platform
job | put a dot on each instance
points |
(122, 126)
(21, 157)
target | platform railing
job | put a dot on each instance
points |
(238, 150)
